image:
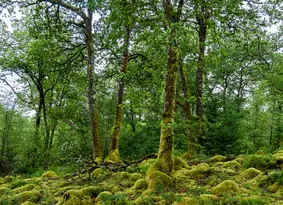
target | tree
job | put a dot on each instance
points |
(126, 11)
(85, 10)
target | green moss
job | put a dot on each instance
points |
(99, 160)
(217, 158)
(225, 171)
(32, 196)
(232, 165)
(187, 201)
(140, 184)
(27, 187)
(249, 174)
(98, 173)
(82, 196)
(197, 172)
(228, 187)
(2, 181)
(102, 196)
(240, 158)
(179, 163)
(159, 180)
(111, 187)
(113, 156)
(49, 175)
(4, 190)
(136, 176)
(123, 175)
(148, 200)
(209, 198)
(87, 191)
(62, 190)
(34, 180)
(27, 203)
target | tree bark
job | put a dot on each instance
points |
(201, 19)
(187, 110)
(114, 151)
(166, 138)
(93, 112)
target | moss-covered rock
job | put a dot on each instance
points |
(222, 170)
(197, 172)
(28, 203)
(227, 187)
(111, 187)
(187, 201)
(209, 198)
(98, 174)
(2, 181)
(27, 187)
(4, 190)
(34, 180)
(136, 176)
(179, 163)
(49, 175)
(217, 158)
(102, 196)
(159, 180)
(123, 175)
(249, 174)
(82, 196)
(32, 196)
(232, 165)
(140, 184)
(148, 200)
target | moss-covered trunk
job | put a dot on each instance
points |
(201, 19)
(166, 138)
(114, 151)
(94, 122)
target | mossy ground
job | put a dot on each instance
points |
(213, 181)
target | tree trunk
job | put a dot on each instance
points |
(114, 151)
(272, 120)
(187, 110)
(201, 19)
(166, 138)
(93, 113)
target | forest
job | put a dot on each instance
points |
(141, 102)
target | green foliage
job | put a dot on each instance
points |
(276, 177)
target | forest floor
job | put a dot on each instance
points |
(245, 179)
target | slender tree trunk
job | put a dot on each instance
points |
(93, 112)
(201, 19)
(50, 143)
(166, 138)
(187, 110)
(34, 152)
(256, 121)
(279, 124)
(114, 151)
(272, 119)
